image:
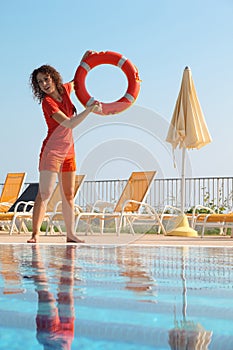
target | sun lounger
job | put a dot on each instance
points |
(11, 190)
(13, 219)
(130, 208)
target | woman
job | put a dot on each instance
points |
(57, 156)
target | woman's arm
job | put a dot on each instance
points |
(71, 123)
(72, 85)
(87, 53)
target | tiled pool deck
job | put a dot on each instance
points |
(124, 238)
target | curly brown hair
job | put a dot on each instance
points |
(38, 94)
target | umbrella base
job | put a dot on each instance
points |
(183, 229)
(183, 232)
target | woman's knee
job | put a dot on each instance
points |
(43, 195)
(68, 195)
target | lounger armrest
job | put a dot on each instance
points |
(127, 202)
(142, 204)
(102, 206)
(170, 207)
(77, 209)
(25, 206)
(199, 206)
(5, 204)
(29, 204)
(151, 211)
(56, 207)
(196, 215)
(206, 218)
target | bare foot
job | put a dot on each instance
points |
(33, 239)
(74, 239)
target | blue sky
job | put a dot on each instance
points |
(160, 37)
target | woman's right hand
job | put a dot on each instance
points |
(96, 107)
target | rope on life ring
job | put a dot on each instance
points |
(116, 59)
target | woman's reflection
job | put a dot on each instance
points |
(55, 320)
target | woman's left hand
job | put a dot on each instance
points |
(87, 53)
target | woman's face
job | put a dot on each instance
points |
(46, 83)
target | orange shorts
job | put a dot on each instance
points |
(57, 164)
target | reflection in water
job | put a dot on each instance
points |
(187, 335)
(137, 279)
(125, 297)
(55, 321)
(10, 271)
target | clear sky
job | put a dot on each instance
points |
(160, 37)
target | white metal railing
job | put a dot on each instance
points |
(215, 192)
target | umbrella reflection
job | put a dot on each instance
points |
(187, 335)
(55, 321)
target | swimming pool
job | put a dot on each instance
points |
(122, 298)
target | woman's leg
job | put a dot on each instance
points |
(46, 187)
(67, 184)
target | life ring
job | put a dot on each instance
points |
(116, 59)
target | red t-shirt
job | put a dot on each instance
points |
(59, 139)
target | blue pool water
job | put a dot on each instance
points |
(122, 298)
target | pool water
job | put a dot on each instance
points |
(65, 297)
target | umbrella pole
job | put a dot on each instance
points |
(183, 181)
(183, 228)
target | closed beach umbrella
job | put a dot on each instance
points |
(188, 128)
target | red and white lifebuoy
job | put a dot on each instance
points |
(116, 59)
